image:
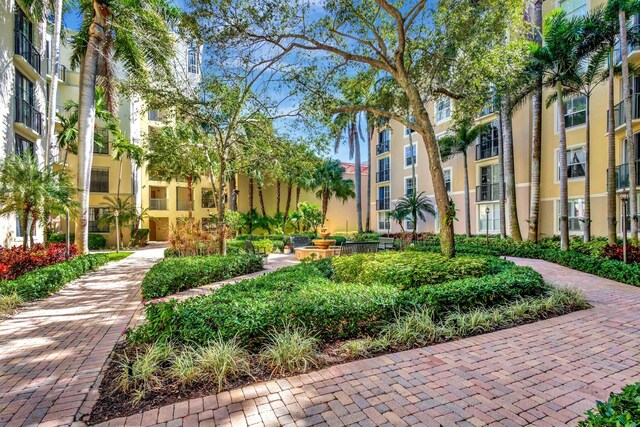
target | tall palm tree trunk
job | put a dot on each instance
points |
(611, 160)
(536, 134)
(86, 121)
(261, 197)
(250, 193)
(509, 166)
(562, 154)
(501, 192)
(369, 137)
(287, 205)
(25, 224)
(626, 90)
(587, 174)
(358, 174)
(278, 186)
(467, 201)
(53, 87)
(298, 190)
(325, 203)
(190, 196)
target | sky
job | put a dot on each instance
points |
(72, 20)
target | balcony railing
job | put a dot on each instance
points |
(486, 110)
(382, 147)
(487, 192)
(383, 204)
(383, 176)
(485, 151)
(618, 111)
(622, 175)
(158, 204)
(617, 52)
(25, 48)
(28, 115)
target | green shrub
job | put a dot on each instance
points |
(471, 293)
(408, 269)
(622, 409)
(44, 281)
(177, 274)
(96, 241)
(339, 239)
(264, 245)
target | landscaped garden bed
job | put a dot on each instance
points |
(317, 314)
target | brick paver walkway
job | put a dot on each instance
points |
(51, 353)
(544, 374)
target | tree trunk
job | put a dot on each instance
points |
(368, 220)
(278, 185)
(53, 87)
(611, 160)
(250, 193)
(501, 192)
(86, 121)
(32, 229)
(190, 196)
(562, 154)
(358, 176)
(118, 238)
(261, 197)
(536, 134)
(626, 91)
(325, 204)
(233, 194)
(221, 228)
(298, 189)
(467, 201)
(25, 225)
(287, 206)
(509, 167)
(587, 174)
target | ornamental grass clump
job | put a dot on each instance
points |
(9, 304)
(184, 366)
(290, 350)
(414, 328)
(142, 372)
(222, 361)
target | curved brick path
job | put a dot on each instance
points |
(545, 374)
(51, 353)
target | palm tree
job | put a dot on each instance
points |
(348, 123)
(330, 183)
(506, 112)
(417, 205)
(28, 190)
(464, 136)
(135, 33)
(557, 60)
(399, 215)
(118, 211)
(122, 149)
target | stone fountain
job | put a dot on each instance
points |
(322, 248)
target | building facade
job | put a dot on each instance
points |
(392, 159)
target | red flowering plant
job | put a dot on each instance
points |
(15, 261)
(615, 252)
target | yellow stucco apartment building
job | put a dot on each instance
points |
(391, 166)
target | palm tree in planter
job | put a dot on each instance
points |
(136, 34)
(557, 60)
(464, 136)
(329, 183)
(417, 205)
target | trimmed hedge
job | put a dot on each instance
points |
(622, 409)
(602, 267)
(173, 275)
(96, 241)
(310, 295)
(408, 270)
(44, 281)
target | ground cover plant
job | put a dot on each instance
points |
(173, 275)
(621, 409)
(318, 313)
(16, 261)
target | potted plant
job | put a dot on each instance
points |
(287, 249)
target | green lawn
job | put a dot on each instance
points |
(118, 256)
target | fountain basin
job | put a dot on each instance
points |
(316, 252)
(323, 243)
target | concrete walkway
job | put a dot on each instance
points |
(545, 374)
(52, 352)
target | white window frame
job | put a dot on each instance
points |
(450, 171)
(577, 218)
(408, 224)
(572, 101)
(404, 155)
(387, 221)
(569, 150)
(494, 218)
(192, 51)
(407, 179)
(439, 108)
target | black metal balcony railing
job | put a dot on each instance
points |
(25, 48)
(28, 115)
(382, 147)
(487, 192)
(619, 118)
(383, 176)
(622, 175)
(617, 52)
(383, 204)
(485, 151)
